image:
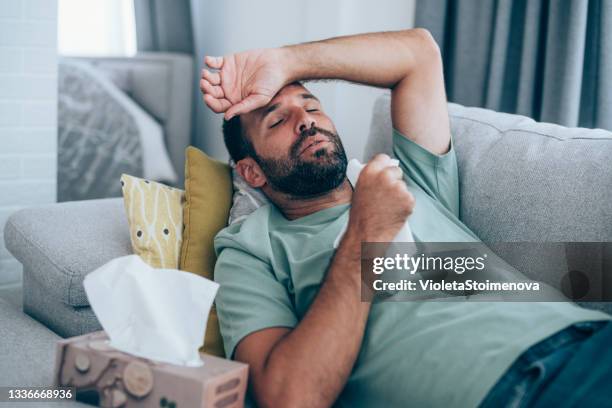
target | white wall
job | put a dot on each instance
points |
(234, 25)
(28, 112)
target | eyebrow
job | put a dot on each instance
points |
(309, 96)
(272, 108)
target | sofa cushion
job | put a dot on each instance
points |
(208, 192)
(25, 363)
(246, 199)
(521, 180)
(61, 243)
(155, 216)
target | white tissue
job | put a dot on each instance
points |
(404, 235)
(159, 314)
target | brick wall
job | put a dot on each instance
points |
(28, 113)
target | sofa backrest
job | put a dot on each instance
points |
(524, 181)
(162, 84)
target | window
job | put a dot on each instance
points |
(96, 27)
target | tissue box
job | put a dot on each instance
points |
(108, 377)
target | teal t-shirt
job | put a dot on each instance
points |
(435, 354)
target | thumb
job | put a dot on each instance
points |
(246, 105)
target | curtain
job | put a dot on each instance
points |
(163, 25)
(547, 59)
(166, 26)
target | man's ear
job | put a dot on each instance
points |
(251, 172)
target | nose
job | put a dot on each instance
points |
(304, 121)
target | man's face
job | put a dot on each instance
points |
(296, 144)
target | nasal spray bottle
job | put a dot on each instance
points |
(404, 235)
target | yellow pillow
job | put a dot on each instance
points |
(208, 194)
(155, 216)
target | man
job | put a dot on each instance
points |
(290, 304)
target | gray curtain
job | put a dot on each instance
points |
(166, 26)
(163, 25)
(547, 59)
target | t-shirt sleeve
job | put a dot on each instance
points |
(437, 175)
(250, 298)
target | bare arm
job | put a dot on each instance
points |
(309, 365)
(408, 62)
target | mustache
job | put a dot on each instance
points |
(306, 133)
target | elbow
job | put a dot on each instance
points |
(422, 47)
(426, 41)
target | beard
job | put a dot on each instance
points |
(303, 178)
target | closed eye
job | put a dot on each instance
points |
(312, 110)
(276, 124)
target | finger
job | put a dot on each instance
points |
(215, 91)
(381, 158)
(379, 162)
(248, 104)
(394, 172)
(214, 62)
(216, 105)
(212, 77)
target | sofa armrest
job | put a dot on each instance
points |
(59, 244)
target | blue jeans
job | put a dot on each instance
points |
(570, 368)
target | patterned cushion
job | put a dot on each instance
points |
(155, 216)
(246, 199)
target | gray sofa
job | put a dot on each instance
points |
(520, 181)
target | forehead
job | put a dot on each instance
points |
(290, 90)
(287, 92)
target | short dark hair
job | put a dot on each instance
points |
(236, 140)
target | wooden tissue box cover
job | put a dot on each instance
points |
(108, 377)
